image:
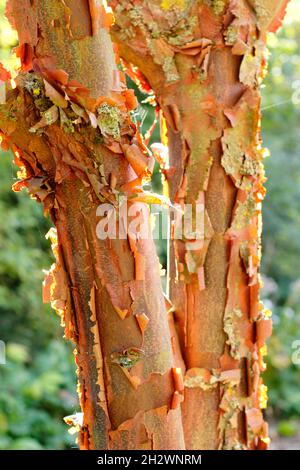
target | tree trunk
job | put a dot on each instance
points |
(204, 60)
(69, 125)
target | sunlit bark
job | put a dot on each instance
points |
(204, 60)
(69, 126)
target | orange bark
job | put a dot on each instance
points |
(107, 292)
(204, 61)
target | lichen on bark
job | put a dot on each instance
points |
(213, 133)
(68, 123)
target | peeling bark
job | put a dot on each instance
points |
(69, 126)
(204, 60)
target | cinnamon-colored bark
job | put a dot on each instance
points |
(68, 123)
(204, 60)
(72, 158)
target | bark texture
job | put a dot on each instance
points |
(69, 126)
(205, 60)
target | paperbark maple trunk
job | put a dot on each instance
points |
(204, 60)
(69, 126)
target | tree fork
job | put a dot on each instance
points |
(69, 126)
(204, 60)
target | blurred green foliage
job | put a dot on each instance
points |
(37, 385)
(281, 239)
(36, 391)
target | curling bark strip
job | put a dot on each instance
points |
(204, 61)
(68, 123)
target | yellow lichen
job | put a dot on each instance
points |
(199, 378)
(267, 11)
(244, 213)
(169, 69)
(208, 379)
(230, 329)
(109, 120)
(217, 6)
(230, 407)
(168, 4)
(263, 396)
